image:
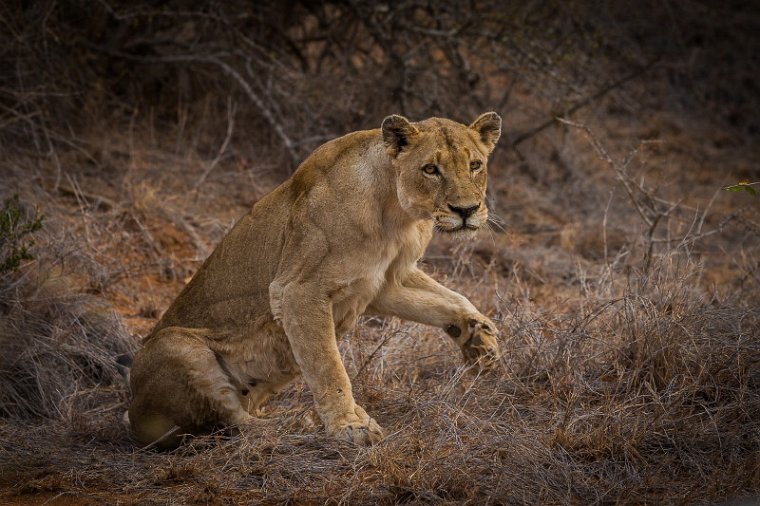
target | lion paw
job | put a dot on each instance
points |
(358, 428)
(482, 347)
(360, 433)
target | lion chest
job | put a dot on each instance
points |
(354, 295)
(366, 278)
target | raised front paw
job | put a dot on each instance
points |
(481, 347)
(357, 427)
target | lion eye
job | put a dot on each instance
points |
(475, 165)
(430, 169)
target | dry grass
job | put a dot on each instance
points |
(643, 392)
(624, 283)
(59, 349)
(617, 385)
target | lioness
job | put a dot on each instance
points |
(340, 238)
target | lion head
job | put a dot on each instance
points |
(441, 168)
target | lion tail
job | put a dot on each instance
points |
(124, 364)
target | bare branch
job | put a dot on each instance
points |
(584, 102)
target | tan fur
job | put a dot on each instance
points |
(339, 239)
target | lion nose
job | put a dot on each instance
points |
(465, 212)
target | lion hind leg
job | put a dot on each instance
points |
(179, 387)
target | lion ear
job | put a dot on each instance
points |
(398, 132)
(488, 126)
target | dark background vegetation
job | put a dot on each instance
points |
(623, 279)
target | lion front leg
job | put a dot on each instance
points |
(307, 319)
(420, 298)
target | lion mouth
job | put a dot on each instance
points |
(460, 225)
(464, 227)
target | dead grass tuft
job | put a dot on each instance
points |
(60, 348)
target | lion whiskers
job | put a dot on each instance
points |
(496, 223)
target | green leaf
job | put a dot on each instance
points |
(742, 186)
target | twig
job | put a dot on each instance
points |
(259, 103)
(619, 170)
(651, 212)
(372, 355)
(96, 201)
(582, 103)
(593, 315)
(215, 59)
(222, 148)
(688, 238)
